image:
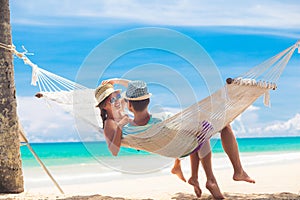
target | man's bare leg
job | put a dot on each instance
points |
(177, 170)
(211, 183)
(230, 146)
(194, 178)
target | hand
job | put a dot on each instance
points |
(111, 81)
(124, 121)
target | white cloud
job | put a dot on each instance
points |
(247, 118)
(188, 12)
(290, 126)
(42, 123)
(46, 121)
(248, 125)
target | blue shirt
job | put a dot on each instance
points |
(131, 129)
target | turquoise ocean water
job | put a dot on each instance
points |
(80, 153)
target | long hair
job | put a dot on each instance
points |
(103, 116)
(103, 112)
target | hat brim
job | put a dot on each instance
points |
(147, 96)
(106, 94)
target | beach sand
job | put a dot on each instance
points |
(274, 180)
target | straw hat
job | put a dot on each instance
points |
(137, 90)
(104, 91)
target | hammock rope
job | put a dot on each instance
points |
(180, 134)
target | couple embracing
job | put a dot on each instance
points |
(137, 98)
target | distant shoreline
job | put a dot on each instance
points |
(238, 138)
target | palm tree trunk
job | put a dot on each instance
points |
(11, 178)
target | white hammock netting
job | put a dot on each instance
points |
(181, 134)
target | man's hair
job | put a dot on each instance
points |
(140, 105)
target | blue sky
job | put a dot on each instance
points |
(237, 35)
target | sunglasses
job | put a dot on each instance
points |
(114, 99)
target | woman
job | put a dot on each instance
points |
(113, 117)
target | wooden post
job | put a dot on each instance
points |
(23, 137)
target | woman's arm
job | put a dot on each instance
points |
(113, 134)
(120, 81)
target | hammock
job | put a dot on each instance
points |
(184, 132)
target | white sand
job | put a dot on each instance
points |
(272, 177)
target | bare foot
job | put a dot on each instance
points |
(177, 171)
(243, 176)
(214, 189)
(195, 184)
